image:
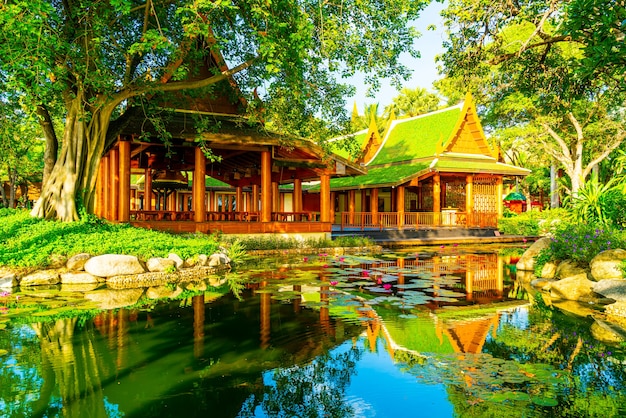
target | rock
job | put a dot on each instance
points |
(203, 260)
(218, 259)
(527, 261)
(57, 261)
(549, 270)
(542, 283)
(191, 262)
(77, 262)
(196, 287)
(572, 288)
(617, 309)
(569, 268)
(113, 299)
(79, 278)
(7, 280)
(161, 292)
(607, 333)
(607, 264)
(108, 265)
(176, 258)
(611, 288)
(42, 277)
(161, 264)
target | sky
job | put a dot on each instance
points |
(424, 68)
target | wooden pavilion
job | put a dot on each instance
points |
(177, 188)
(436, 169)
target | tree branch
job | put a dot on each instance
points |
(603, 155)
(501, 58)
(566, 152)
(539, 27)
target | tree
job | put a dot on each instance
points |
(20, 152)
(101, 61)
(540, 66)
(413, 102)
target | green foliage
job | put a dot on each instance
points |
(541, 259)
(237, 252)
(581, 242)
(30, 242)
(601, 203)
(533, 223)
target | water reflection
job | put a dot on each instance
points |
(445, 334)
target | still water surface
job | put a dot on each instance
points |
(421, 333)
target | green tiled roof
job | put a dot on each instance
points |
(475, 167)
(358, 138)
(417, 137)
(381, 176)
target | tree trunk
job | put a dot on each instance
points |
(3, 195)
(52, 144)
(71, 184)
(12, 188)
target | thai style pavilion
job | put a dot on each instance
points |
(436, 169)
(172, 185)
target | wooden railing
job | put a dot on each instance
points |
(413, 220)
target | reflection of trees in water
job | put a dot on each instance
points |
(316, 389)
(76, 376)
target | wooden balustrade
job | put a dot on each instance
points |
(414, 220)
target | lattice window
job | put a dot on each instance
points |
(454, 194)
(426, 202)
(485, 192)
(411, 200)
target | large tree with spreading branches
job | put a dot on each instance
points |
(98, 62)
(557, 67)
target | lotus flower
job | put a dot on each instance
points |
(334, 283)
(387, 286)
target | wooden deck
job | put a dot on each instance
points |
(235, 227)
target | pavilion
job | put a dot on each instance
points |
(432, 170)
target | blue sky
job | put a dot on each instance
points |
(424, 68)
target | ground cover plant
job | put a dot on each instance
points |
(533, 223)
(26, 241)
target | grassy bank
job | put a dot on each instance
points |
(30, 242)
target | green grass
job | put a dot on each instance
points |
(274, 242)
(31, 242)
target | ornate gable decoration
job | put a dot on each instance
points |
(373, 143)
(468, 136)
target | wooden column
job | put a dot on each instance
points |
(254, 203)
(469, 199)
(351, 205)
(147, 190)
(297, 195)
(266, 186)
(325, 198)
(374, 205)
(499, 196)
(199, 186)
(100, 188)
(211, 204)
(332, 207)
(114, 173)
(239, 199)
(275, 197)
(400, 205)
(437, 199)
(124, 189)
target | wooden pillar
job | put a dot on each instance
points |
(114, 178)
(400, 204)
(332, 207)
(147, 190)
(100, 188)
(363, 200)
(254, 206)
(297, 195)
(275, 197)
(199, 186)
(499, 196)
(124, 188)
(211, 201)
(266, 186)
(437, 199)
(239, 199)
(469, 199)
(325, 198)
(351, 205)
(374, 205)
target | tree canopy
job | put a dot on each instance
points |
(95, 64)
(554, 67)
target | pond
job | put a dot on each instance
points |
(435, 332)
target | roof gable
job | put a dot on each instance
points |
(468, 136)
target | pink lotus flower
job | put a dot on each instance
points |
(366, 273)
(387, 286)
(305, 259)
(379, 281)
(334, 283)
(443, 246)
(342, 259)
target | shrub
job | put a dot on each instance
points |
(533, 223)
(581, 242)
